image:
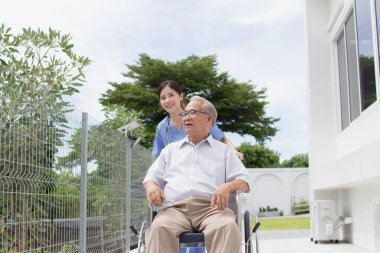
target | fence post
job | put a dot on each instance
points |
(83, 185)
(129, 142)
(128, 194)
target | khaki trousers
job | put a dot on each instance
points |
(219, 227)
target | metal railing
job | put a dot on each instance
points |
(63, 182)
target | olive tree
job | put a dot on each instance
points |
(37, 70)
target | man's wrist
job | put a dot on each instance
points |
(230, 187)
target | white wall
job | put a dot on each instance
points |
(363, 214)
(275, 187)
(322, 121)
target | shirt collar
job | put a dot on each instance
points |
(209, 140)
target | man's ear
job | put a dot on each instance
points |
(210, 118)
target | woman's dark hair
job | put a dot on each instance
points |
(172, 85)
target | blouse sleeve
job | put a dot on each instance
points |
(158, 144)
(216, 133)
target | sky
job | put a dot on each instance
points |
(261, 41)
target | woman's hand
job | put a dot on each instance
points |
(240, 155)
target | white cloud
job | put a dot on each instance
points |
(263, 13)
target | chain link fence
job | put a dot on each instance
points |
(46, 197)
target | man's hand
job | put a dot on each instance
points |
(220, 196)
(153, 193)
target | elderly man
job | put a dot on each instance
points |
(190, 182)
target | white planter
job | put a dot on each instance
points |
(269, 214)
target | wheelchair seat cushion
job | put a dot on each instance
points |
(191, 237)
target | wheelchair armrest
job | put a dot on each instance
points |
(238, 211)
(152, 212)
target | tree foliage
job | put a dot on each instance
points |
(117, 116)
(37, 69)
(258, 156)
(241, 106)
(296, 161)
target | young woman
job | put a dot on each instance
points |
(170, 128)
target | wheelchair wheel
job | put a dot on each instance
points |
(247, 231)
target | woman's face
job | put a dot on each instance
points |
(170, 100)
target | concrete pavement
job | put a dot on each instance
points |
(304, 245)
(298, 241)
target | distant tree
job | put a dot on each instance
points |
(241, 106)
(258, 156)
(117, 116)
(296, 161)
(37, 69)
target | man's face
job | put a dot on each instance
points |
(200, 125)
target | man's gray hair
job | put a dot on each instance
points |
(206, 105)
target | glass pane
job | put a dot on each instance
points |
(343, 85)
(352, 68)
(365, 48)
(377, 8)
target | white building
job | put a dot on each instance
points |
(343, 43)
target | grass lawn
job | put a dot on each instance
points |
(284, 223)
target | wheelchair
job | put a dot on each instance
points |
(194, 242)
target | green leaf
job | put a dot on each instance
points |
(35, 68)
(76, 84)
(3, 62)
(13, 50)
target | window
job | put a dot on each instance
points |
(356, 62)
(352, 65)
(344, 102)
(348, 73)
(377, 8)
(365, 48)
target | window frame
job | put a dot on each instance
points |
(341, 31)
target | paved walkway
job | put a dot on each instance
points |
(304, 245)
(283, 234)
(298, 241)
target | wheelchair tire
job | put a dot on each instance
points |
(247, 231)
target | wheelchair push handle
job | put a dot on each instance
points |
(133, 229)
(256, 227)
